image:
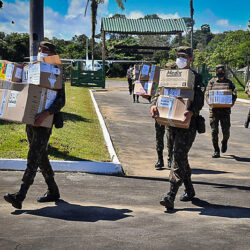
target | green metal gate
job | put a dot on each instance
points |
(80, 77)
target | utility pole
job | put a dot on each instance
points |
(192, 22)
(36, 26)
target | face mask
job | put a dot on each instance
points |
(181, 62)
(220, 74)
(40, 56)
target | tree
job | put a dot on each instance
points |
(1, 4)
(94, 7)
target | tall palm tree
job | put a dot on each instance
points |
(94, 7)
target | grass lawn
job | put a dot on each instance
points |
(81, 137)
(116, 79)
(240, 91)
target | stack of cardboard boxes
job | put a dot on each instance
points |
(220, 96)
(148, 81)
(26, 90)
(175, 97)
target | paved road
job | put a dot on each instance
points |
(109, 212)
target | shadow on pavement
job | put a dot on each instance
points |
(73, 212)
(216, 185)
(208, 171)
(210, 209)
(237, 158)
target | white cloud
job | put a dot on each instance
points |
(135, 15)
(223, 23)
(55, 24)
(169, 16)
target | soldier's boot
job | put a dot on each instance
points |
(17, 199)
(52, 193)
(170, 160)
(160, 163)
(216, 153)
(168, 200)
(189, 190)
(246, 124)
(224, 146)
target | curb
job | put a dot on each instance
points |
(108, 168)
(92, 167)
(243, 100)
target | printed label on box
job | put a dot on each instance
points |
(4, 99)
(51, 96)
(13, 99)
(145, 69)
(9, 71)
(18, 73)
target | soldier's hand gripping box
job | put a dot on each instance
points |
(171, 111)
(10, 71)
(180, 78)
(220, 98)
(150, 73)
(145, 88)
(46, 75)
(20, 102)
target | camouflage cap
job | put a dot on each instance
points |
(48, 45)
(220, 66)
(185, 50)
(170, 65)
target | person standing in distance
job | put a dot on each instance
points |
(221, 115)
(38, 138)
(183, 138)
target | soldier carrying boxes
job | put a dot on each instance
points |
(38, 135)
(220, 96)
(167, 108)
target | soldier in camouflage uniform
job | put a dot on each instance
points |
(183, 138)
(38, 138)
(160, 132)
(130, 81)
(247, 89)
(221, 115)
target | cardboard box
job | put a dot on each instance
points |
(180, 78)
(20, 102)
(144, 72)
(220, 98)
(145, 88)
(136, 72)
(184, 93)
(10, 71)
(52, 59)
(149, 73)
(45, 75)
(171, 111)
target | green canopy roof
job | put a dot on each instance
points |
(143, 26)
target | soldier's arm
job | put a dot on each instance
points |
(198, 101)
(59, 102)
(234, 90)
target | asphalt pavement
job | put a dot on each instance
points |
(115, 212)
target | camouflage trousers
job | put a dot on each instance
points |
(183, 140)
(130, 85)
(38, 138)
(160, 132)
(222, 116)
(248, 116)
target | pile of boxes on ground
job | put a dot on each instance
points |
(176, 92)
(28, 89)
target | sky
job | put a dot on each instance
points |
(65, 18)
